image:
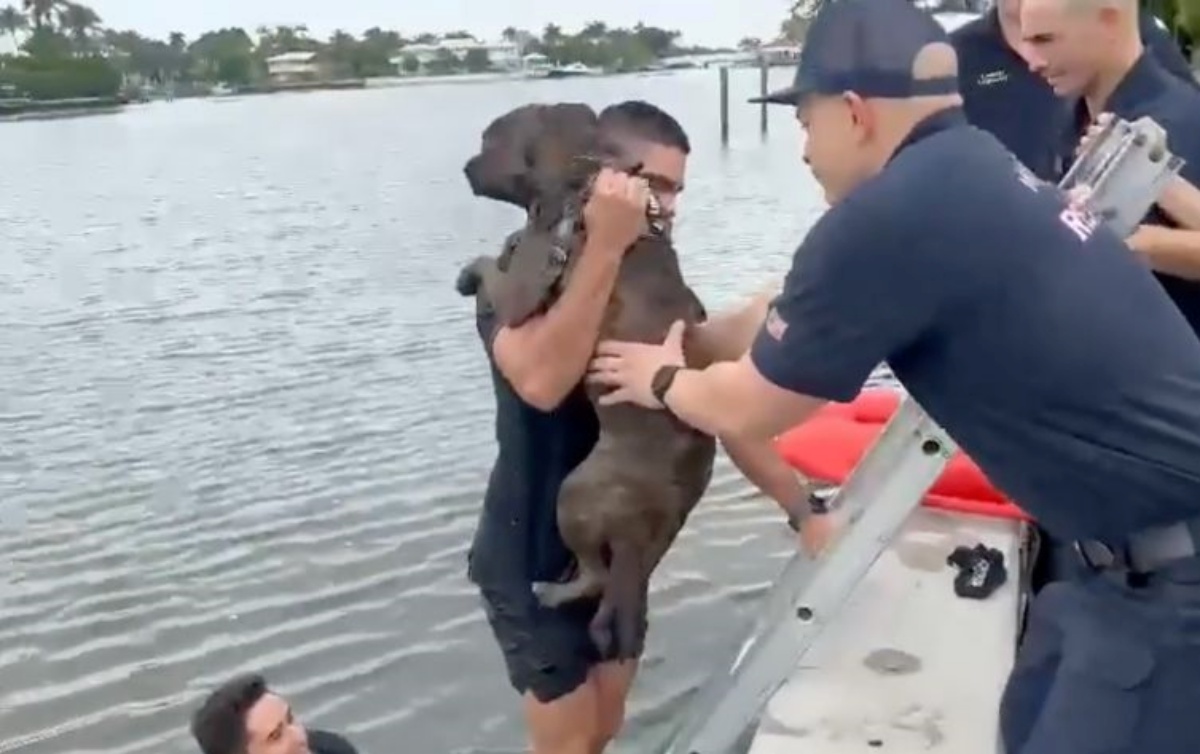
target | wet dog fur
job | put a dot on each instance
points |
(620, 510)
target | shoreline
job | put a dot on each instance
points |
(14, 109)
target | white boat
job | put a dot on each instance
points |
(571, 70)
(907, 666)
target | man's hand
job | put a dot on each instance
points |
(1147, 238)
(629, 368)
(1093, 129)
(817, 532)
(729, 334)
(615, 215)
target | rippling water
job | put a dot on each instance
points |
(245, 422)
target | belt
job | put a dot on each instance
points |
(1143, 552)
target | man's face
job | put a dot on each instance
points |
(1066, 43)
(835, 143)
(271, 728)
(664, 168)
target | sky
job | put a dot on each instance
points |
(722, 22)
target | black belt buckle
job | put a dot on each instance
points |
(1096, 555)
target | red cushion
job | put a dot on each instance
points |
(828, 446)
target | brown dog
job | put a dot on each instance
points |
(619, 510)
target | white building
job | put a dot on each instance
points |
(505, 56)
(293, 66)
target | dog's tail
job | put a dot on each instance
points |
(469, 279)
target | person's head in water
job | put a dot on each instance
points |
(243, 716)
(638, 132)
(1081, 46)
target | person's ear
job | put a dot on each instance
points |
(861, 116)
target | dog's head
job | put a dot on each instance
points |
(533, 151)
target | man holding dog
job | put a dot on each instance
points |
(1024, 327)
(574, 699)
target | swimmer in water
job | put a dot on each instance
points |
(243, 716)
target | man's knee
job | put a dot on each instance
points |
(568, 724)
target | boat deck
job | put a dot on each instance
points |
(907, 666)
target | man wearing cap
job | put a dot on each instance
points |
(1003, 95)
(1026, 329)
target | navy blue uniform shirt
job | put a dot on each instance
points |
(517, 541)
(1041, 343)
(1150, 90)
(1003, 96)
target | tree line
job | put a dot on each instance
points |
(70, 52)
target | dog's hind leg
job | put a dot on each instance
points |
(628, 587)
(589, 581)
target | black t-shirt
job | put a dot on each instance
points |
(1030, 332)
(325, 742)
(517, 540)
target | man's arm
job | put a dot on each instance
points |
(545, 357)
(1176, 251)
(1180, 200)
(865, 284)
(728, 335)
(1169, 250)
(725, 337)
(765, 469)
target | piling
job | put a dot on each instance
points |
(762, 92)
(724, 105)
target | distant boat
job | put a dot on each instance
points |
(570, 70)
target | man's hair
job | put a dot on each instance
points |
(219, 725)
(638, 120)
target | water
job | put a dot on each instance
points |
(245, 420)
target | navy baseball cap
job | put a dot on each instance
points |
(867, 47)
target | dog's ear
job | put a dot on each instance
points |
(500, 170)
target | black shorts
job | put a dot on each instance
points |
(548, 652)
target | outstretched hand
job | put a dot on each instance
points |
(629, 368)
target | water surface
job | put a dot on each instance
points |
(245, 422)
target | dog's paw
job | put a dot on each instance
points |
(602, 638)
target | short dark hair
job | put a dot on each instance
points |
(219, 725)
(641, 120)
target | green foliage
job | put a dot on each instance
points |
(613, 49)
(59, 78)
(92, 56)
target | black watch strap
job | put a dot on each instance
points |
(663, 379)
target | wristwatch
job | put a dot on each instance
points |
(662, 381)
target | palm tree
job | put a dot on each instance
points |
(78, 21)
(40, 11)
(12, 21)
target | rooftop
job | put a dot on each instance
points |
(292, 57)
